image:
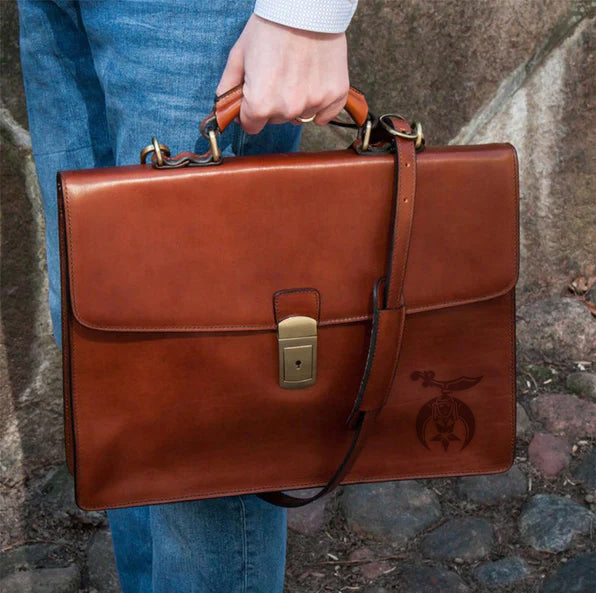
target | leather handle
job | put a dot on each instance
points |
(227, 106)
(387, 323)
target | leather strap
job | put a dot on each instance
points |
(387, 323)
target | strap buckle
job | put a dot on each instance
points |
(417, 135)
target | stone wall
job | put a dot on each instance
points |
(522, 71)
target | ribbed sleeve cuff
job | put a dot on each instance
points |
(324, 16)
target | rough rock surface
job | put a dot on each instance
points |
(555, 329)
(34, 555)
(565, 414)
(400, 511)
(43, 580)
(101, 564)
(492, 489)
(310, 518)
(466, 538)
(582, 383)
(470, 34)
(502, 573)
(369, 566)
(523, 422)
(585, 472)
(57, 491)
(540, 107)
(549, 523)
(429, 579)
(576, 576)
(550, 454)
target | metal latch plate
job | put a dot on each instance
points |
(297, 340)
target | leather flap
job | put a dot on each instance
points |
(206, 248)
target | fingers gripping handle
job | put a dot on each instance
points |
(227, 107)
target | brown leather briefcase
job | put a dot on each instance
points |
(259, 324)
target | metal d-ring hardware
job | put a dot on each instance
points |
(365, 133)
(416, 135)
(158, 149)
(210, 130)
(214, 146)
(163, 161)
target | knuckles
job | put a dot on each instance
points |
(259, 108)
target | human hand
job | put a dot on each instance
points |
(287, 72)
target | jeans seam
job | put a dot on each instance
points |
(244, 546)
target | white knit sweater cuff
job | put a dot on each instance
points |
(324, 16)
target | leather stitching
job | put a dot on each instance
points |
(310, 484)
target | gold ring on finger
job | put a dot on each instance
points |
(306, 120)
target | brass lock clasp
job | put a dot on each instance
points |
(297, 341)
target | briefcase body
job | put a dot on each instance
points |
(182, 379)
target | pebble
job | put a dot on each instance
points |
(565, 414)
(578, 575)
(550, 454)
(493, 489)
(502, 573)
(586, 470)
(396, 510)
(549, 523)
(582, 383)
(468, 538)
(309, 519)
(101, 564)
(428, 579)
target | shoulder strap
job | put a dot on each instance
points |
(387, 323)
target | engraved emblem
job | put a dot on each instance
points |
(445, 420)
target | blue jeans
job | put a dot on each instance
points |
(101, 78)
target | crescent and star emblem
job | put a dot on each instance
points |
(445, 419)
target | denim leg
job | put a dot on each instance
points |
(133, 548)
(65, 108)
(231, 545)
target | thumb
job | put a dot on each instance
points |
(233, 73)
